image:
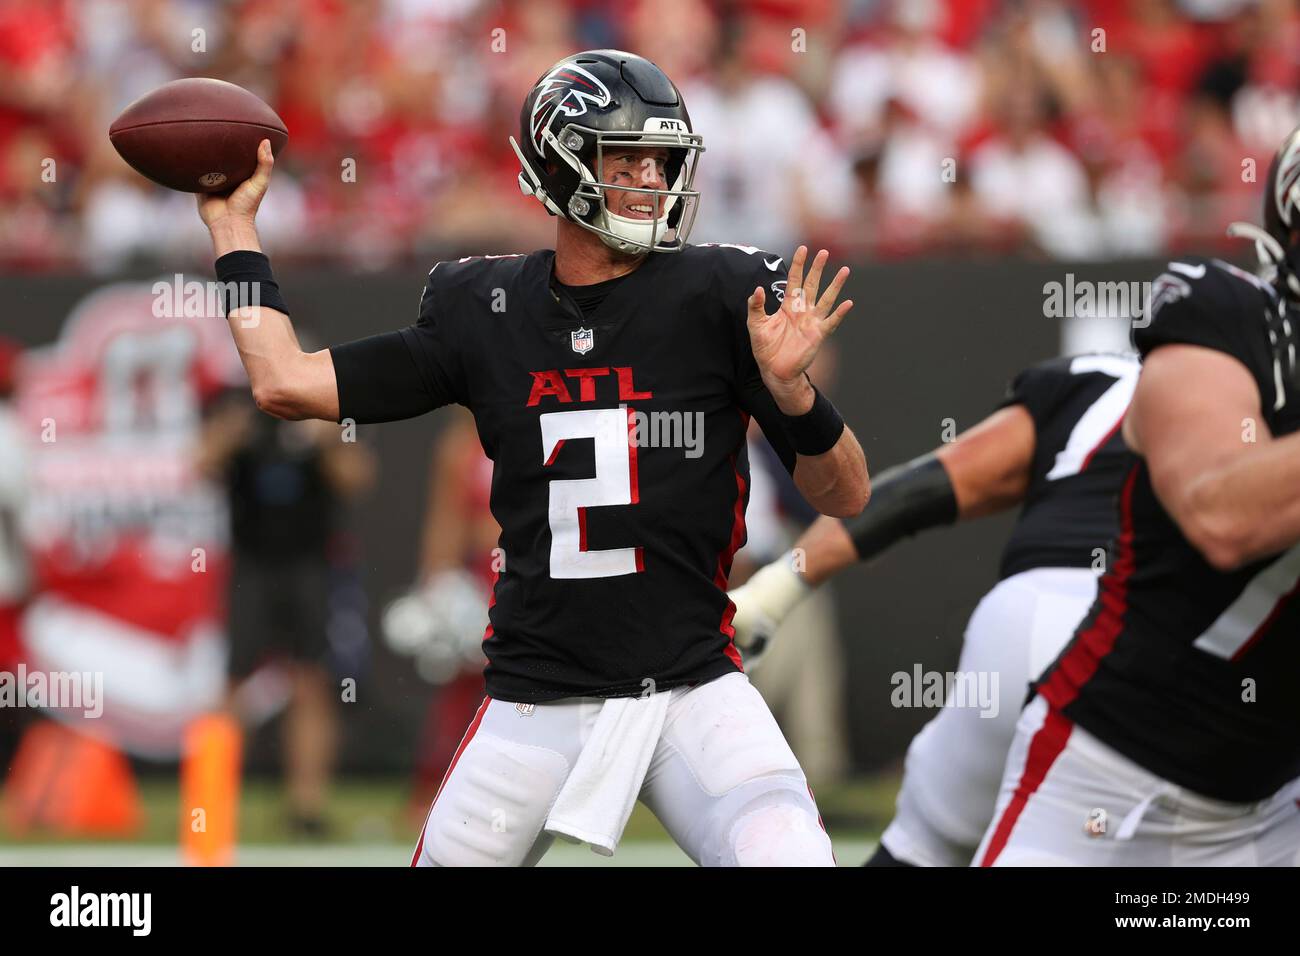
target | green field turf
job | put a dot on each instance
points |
(373, 826)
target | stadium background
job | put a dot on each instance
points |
(1089, 139)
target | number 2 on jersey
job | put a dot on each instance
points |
(615, 483)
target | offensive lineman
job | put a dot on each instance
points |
(1171, 721)
(616, 554)
(1053, 445)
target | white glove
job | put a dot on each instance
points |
(762, 603)
(440, 625)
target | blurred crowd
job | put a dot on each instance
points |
(881, 128)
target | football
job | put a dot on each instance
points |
(196, 135)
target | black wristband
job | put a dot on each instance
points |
(905, 499)
(816, 431)
(247, 280)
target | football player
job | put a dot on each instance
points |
(1168, 731)
(1052, 447)
(611, 380)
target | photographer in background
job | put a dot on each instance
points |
(287, 482)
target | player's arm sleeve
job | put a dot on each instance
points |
(906, 499)
(751, 394)
(1181, 316)
(1212, 313)
(401, 374)
(1216, 312)
(1040, 389)
(757, 401)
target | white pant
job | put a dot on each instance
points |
(954, 765)
(1079, 802)
(722, 781)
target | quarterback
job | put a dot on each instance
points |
(612, 673)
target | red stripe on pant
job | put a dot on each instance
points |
(820, 822)
(1047, 744)
(469, 735)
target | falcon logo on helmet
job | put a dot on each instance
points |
(576, 114)
(566, 90)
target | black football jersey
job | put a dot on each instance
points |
(1077, 404)
(620, 475)
(1192, 672)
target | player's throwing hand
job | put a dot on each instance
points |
(786, 342)
(242, 202)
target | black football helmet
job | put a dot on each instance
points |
(592, 102)
(1279, 256)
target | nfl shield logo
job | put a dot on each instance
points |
(582, 341)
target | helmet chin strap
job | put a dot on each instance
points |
(640, 234)
(635, 235)
(530, 185)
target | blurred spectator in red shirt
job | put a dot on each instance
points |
(399, 110)
(772, 177)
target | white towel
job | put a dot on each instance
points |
(595, 802)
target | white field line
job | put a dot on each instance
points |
(631, 853)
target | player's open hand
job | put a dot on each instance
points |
(786, 342)
(240, 204)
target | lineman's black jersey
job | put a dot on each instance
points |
(1192, 672)
(1080, 459)
(620, 474)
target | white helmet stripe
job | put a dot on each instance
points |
(566, 89)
